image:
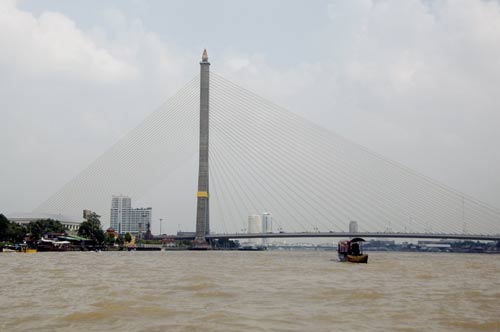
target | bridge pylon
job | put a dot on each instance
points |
(202, 211)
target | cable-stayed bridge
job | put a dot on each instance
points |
(260, 157)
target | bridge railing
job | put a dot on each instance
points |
(480, 237)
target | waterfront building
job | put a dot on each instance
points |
(120, 213)
(260, 224)
(140, 219)
(124, 218)
(71, 223)
(267, 222)
(353, 227)
(267, 226)
(255, 227)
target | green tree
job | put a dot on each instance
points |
(16, 233)
(4, 227)
(109, 238)
(41, 227)
(226, 243)
(120, 241)
(11, 231)
(128, 237)
(91, 229)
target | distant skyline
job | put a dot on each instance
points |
(415, 81)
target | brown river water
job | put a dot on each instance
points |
(248, 291)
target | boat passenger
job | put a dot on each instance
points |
(355, 249)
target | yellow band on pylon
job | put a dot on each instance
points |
(203, 194)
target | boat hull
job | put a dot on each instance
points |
(28, 250)
(357, 259)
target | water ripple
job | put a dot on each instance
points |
(257, 291)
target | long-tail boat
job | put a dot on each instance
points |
(352, 251)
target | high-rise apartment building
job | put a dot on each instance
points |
(120, 213)
(260, 224)
(126, 219)
(255, 227)
(139, 220)
(353, 227)
(267, 222)
(267, 226)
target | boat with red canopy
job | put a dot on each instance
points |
(352, 251)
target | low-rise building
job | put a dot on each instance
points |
(71, 223)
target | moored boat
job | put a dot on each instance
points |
(52, 245)
(24, 248)
(352, 251)
(252, 247)
(8, 249)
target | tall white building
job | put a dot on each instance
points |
(126, 219)
(120, 213)
(255, 227)
(353, 227)
(260, 224)
(267, 226)
(267, 222)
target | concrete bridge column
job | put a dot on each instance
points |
(203, 213)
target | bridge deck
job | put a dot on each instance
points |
(348, 235)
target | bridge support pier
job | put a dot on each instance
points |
(203, 206)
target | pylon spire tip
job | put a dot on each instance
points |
(204, 57)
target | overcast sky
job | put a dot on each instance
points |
(416, 81)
